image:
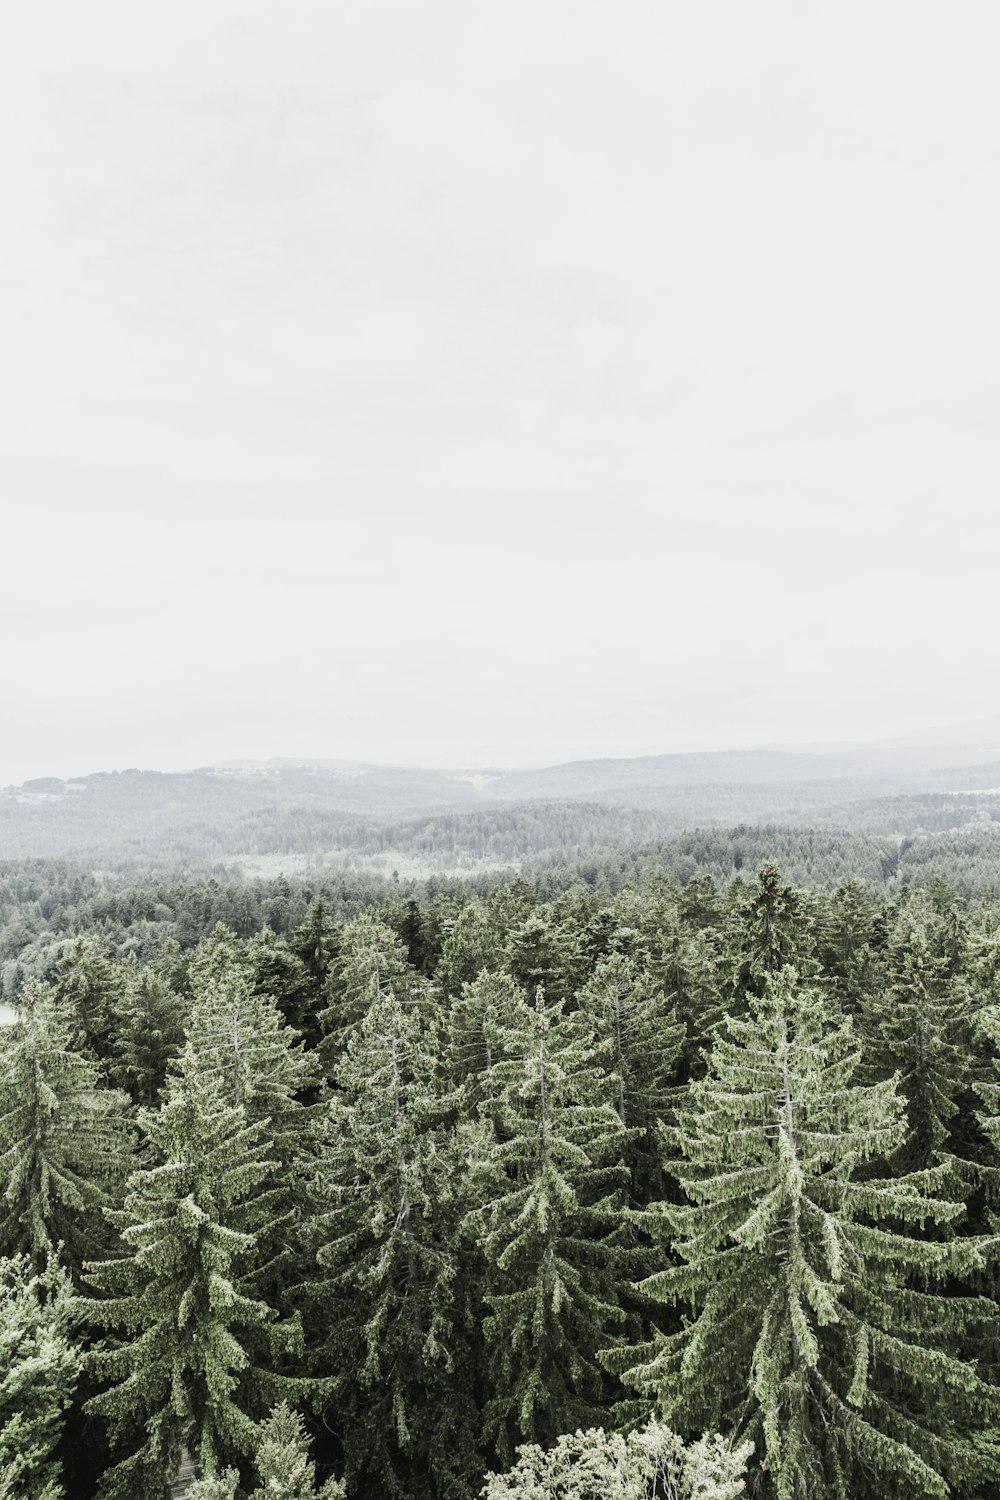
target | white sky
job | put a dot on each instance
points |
(456, 383)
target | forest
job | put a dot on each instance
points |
(648, 1179)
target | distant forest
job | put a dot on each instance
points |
(608, 1132)
(370, 820)
(628, 1187)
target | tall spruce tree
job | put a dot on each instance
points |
(39, 1367)
(371, 964)
(196, 1356)
(550, 1182)
(821, 1322)
(919, 1024)
(628, 1011)
(147, 1033)
(395, 1338)
(65, 1141)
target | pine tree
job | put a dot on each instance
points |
(371, 963)
(240, 1037)
(819, 1319)
(646, 1464)
(65, 1141)
(395, 1342)
(539, 951)
(627, 1010)
(39, 1368)
(919, 1025)
(147, 1033)
(89, 984)
(769, 932)
(551, 1182)
(283, 1465)
(197, 1352)
(477, 1023)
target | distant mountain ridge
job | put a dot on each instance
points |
(457, 818)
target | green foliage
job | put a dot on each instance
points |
(283, 1465)
(389, 1245)
(39, 1367)
(195, 1352)
(147, 1032)
(645, 1464)
(64, 1139)
(628, 1012)
(815, 1287)
(550, 1177)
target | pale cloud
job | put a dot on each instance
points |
(466, 383)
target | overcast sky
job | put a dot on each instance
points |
(460, 383)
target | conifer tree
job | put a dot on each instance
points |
(395, 1344)
(197, 1352)
(477, 1023)
(628, 1011)
(275, 969)
(820, 1324)
(371, 964)
(39, 1368)
(89, 984)
(283, 1465)
(240, 1037)
(769, 932)
(539, 951)
(650, 1463)
(472, 944)
(919, 1025)
(147, 1033)
(550, 1184)
(64, 1140)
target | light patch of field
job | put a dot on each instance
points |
(8, 1015)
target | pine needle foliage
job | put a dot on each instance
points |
(649, 1463)
(283, 1465)
(919, 1024)
(551, 1180)
(40, 1364)
(390, 1251)
(65, 1141)
(628, 1011)
(371, 964)
(195, 1354)
(817, 1322)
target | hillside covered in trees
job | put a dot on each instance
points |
(639, 1185)
(349, 818)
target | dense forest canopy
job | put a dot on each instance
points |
(652, 1182)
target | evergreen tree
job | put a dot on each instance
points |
(275, 969)
(39, 1369)
(472, 943)
(919, 1025)
(477, 1025)
(371, 964)
(820, 1321)
(283, 1465)
(147, 1033)
(64, 1140)
(88, 984)
(196, 1353)
(627, 1011)
(644, 1465)
(549, 1181)
(394, 1328)
(539, 951)
(769, 932)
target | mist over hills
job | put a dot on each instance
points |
(358, 815)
